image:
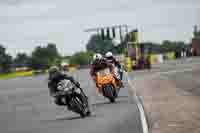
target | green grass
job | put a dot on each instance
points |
(16, 74)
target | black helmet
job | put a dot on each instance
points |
(53, 69)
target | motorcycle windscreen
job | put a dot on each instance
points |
(104, 72)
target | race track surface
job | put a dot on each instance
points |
(26, 107)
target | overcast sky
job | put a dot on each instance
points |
(25, 24)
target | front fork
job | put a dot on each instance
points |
(83, 94)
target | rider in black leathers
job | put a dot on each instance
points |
(55, 76)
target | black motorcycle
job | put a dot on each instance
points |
(74, 97)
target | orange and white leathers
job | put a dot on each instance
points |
(116, 71)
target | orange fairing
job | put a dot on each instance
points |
(105, 80)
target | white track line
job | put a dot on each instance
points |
(139, 105)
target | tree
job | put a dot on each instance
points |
(98, 45)
(81, 58)
(168, 46)
(43, 57)
(5, 60)
(151, 47)
(122, 47)
(196, 32)
(22, 60)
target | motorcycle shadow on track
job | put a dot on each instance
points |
(67, 118)
(98, 104)
(64, 118)
(118, 101)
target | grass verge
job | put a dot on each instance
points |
(16, 74)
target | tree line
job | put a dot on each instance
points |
(46, 56)
(97, 45)
(40, 58)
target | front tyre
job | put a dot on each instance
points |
(85, 113)
(109, 93)
(112, 100)
(82, 105)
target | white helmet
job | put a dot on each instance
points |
(97, 56)
(109, 54)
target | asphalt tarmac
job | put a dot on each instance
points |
(26, 107)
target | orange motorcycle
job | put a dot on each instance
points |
(107, 84)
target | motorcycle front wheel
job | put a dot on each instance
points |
(109, 93)
(81, 105)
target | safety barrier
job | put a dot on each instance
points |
(157, 58)
(129, 64)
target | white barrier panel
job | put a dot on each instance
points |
(160, 58)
